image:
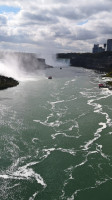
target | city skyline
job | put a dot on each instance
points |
(60, 26)
(103, 47)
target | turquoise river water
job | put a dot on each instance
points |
(56, 138)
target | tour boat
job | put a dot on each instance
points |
(101, 85)
(49, 77)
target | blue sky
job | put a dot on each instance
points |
(83, 22)
(8, 9)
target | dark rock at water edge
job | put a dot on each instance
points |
(7, 82)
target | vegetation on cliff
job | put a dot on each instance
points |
(6, 82)
(109, 83)
(108, 74)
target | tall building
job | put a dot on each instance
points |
(105, 45)
(98, 49)
(95, 48)
(101, 49)
(109, 45)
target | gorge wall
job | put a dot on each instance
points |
(97, 61)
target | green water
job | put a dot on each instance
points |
(55, 138)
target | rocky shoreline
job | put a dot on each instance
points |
(109, 82)
(7, 82)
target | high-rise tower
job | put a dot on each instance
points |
(109, 45)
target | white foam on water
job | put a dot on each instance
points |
(72, 132)
(98, 109)
(81, 115)
(51, 124)
(49, 116)
(88, 89)
(100, 182)
(71, 128)
(67, 82)
(59, 114)
(35, 139)
(88, 94)
(97, 184)
(68, 172)
(73, 80)
(99, 130)
(23, 173)
(82, 163)
(15, 185)
(72, 99)
(99, 149)
(91, 152)
(110, 133)
(96, 134)
(106, 91)
(55, 102)
(75, 125)
(34, 195)
(71, 198)
(108, 107)
(102, 125)
(48, 151)
(62, 88)
(63, 134)
(70, 151)
(58, 122)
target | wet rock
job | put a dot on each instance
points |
(7, 82)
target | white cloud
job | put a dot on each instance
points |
(3, 20)
(55, 23)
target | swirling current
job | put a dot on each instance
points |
(55, 138)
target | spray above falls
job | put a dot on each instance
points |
(53, 60)
(20, 65)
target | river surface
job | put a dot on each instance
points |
(56, 138)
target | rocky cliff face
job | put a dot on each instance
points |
(91, 62)
(6, 82)
(98, 61)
